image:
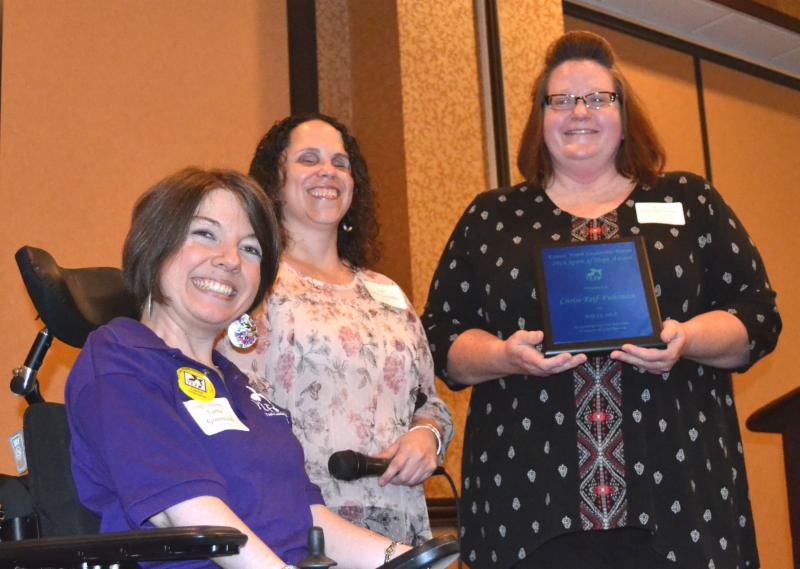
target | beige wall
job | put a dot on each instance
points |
(335, 59)
(752, 126)
(527, 27)
(100, 100)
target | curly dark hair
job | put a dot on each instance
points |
(358, 247)
(640, 155)
(160, 223)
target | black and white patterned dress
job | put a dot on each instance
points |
(674, 448)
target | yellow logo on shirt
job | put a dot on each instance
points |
(196, 384)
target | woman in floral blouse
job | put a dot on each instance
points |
(340, 346)
(627, 459)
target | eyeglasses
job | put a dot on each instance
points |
(565, 102)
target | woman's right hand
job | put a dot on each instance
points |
(477, 356)
(523, 352)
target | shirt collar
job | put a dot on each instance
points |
(140, 336)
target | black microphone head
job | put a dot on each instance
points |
(343, 465)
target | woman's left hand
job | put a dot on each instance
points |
(413, 459)
(656, 360)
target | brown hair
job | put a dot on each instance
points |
(161, 219)
(640, 155)
(359, 246)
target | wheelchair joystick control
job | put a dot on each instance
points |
(23, 381)
(316, 551)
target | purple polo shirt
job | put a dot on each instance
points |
(136, 448)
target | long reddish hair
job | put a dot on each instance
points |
(640, 155)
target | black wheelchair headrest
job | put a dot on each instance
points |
(73, 302)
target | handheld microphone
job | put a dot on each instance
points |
(351, 465)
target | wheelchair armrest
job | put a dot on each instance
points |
(425, 555)
(159, 544)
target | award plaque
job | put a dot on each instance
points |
(597, 296)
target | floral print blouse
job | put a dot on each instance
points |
(350, 369)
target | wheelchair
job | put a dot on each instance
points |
(46, 526)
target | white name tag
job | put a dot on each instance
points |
(657, 212)
(215, 416)
(17, 442)
(389, 294)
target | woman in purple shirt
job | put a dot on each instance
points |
(166, 431)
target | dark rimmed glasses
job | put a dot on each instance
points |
(566, 102)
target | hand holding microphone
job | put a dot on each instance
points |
(351, 465)
(408, 461)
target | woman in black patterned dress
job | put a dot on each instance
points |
(628, 459)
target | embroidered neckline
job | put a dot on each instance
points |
(637, 187)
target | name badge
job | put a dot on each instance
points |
(389, 294)
(657, 212)
(214, 416)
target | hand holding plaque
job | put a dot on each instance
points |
(597, 296)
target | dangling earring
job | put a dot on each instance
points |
(242, 332)
(148, 305)
(346, 227)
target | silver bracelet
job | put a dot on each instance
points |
(436, 433)
(390, 551)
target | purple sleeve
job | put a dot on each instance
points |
(128, 436)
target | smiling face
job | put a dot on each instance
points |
(213, 277)
(318, 186)
(582, 138)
